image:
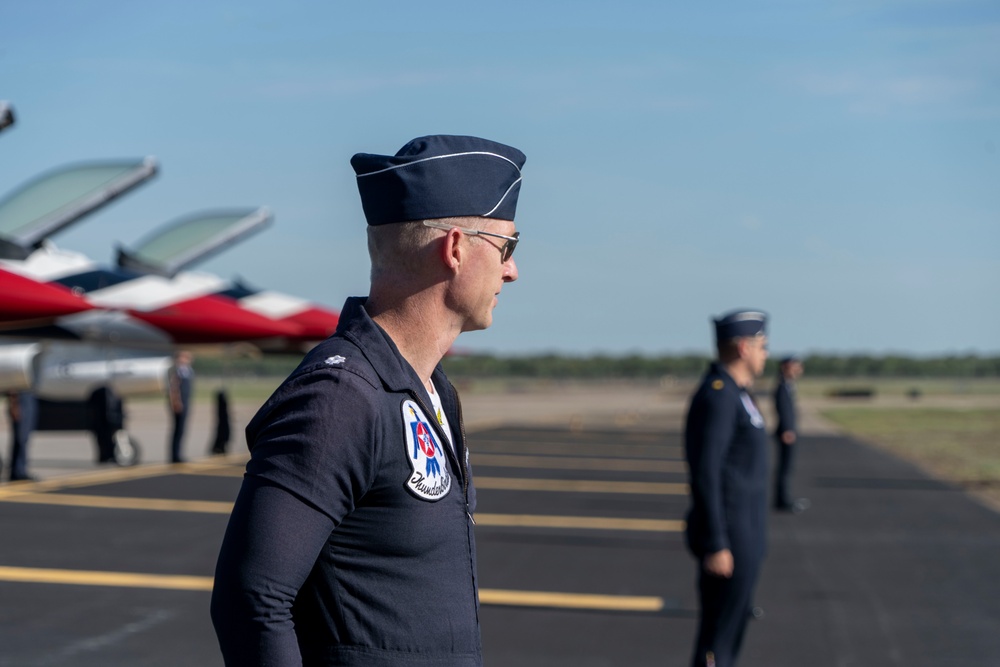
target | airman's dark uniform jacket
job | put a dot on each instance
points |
(351, 542)
(726, 447)
(784, 403)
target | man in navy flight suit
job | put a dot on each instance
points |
(179, 383)
(726, 447)
(351, 541)
(786, 435)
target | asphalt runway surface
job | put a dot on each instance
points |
(581, 559)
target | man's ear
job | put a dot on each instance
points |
(452, 252)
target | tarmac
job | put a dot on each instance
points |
(581, 502)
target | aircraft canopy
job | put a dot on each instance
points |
(56, 199)
(192, 239)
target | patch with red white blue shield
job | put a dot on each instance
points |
(430, 479)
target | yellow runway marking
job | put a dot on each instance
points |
(581, 486)
(487, 596)
(95, 578)
(570, 600)
(221, 471)
(669, 452)
(124, 503)
(590, 522)
(215, 507)
(105, 476)
(115, 474)
(578, 463)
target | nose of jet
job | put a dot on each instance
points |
(22, 298)
(215, 319)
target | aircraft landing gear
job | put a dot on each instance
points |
(126, 448)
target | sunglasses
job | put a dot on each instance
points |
(506, 250)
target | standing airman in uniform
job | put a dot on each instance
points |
(726, 446)
(351, 541)
(786, 435)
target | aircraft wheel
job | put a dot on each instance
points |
(126, 449)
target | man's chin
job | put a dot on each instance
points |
(479, 324)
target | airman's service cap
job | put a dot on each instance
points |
(440, 176)
(739, 324)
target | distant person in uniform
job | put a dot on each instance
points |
(22, 411)
(786, 435)
(726, 446)
(179, 383)
(352, 540)
(222, 424)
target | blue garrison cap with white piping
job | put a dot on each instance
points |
(739, 324)
(440, 176)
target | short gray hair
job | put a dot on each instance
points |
(398, 249)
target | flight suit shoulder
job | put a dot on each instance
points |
(716, 391)
(336, 356)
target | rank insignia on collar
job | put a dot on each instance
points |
(431, 479)
(717, 385)
(334, 360)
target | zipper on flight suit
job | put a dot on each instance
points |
(463, 455)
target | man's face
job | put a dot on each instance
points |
(486, 274)
(756, 354)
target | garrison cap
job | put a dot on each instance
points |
(739, 324)
(440, 176)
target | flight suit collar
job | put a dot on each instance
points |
(379, 349)
(394, 371)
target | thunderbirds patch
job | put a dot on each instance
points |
(430, 479)
(755, 417)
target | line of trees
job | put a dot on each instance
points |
(690, 365)
(636, 366)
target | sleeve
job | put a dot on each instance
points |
(785, 409)
(270, 547)
(313, 455)
(710, 436)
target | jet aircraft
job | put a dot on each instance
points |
(191, 240)
(121, 337)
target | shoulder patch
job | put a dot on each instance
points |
(431, 479)
(718, 384)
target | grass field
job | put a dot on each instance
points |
(958, 444)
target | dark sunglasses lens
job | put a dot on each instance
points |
(508, 247)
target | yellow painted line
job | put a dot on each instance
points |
(570, 600)
(483, 519)
(221, 471)
(589, 522)
(574, 449)
(214, 507)
(581, 486)
(124, 503)
(488, 596)
(113, 474)
(577, 463)
(95, 578)
(91, 478)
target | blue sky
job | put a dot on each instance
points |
(835, 164)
